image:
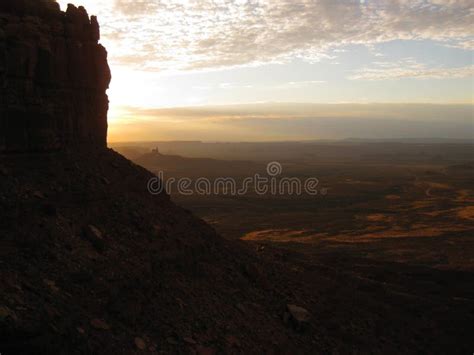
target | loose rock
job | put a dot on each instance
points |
(99, 324)
(232, 341)
(38, 194)
(94, 236)
(140, 343)
(190, 341)
(297, 316)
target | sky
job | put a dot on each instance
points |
(288, 69)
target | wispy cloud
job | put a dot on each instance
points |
(164, 35)
(409, 68)
(274, 111)
(304, 83)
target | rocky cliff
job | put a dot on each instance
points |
(53, 77)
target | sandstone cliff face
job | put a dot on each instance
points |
(53, 77)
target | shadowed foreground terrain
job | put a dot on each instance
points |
(150, 275)
(393, 227)
(90, 261)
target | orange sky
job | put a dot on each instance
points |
(179, 53)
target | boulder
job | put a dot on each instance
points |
(99, 324)
(95, 237)
(297, 316)
(140, 343)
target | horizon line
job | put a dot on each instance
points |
(315, 140)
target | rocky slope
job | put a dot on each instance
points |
(90, 261)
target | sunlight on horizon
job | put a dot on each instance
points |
(166, 54)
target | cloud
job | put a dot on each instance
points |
(299, 84)
(177, 35)
(409, 68)
(274, 111)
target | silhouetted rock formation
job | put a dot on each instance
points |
(53, 77)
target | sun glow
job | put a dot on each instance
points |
(179, 53)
